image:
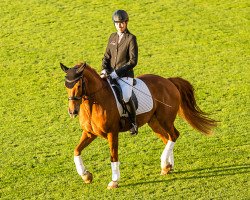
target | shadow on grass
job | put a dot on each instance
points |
(221, 171)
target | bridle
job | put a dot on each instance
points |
(84, 93)
(76, 98)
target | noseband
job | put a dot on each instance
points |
(74, 98)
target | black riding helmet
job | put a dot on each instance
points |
(120, 16)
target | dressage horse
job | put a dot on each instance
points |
(91, 98)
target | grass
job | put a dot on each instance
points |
(204, 42)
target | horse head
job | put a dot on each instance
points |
(75, 85)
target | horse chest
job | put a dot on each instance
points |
(93, 122)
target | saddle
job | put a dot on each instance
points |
(118, 92)
(140, 95)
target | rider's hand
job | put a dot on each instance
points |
(104, 73)
(114, 75)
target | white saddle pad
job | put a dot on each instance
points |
(143, 95)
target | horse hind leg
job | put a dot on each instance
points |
(168, 136)
(171, 156)
(167, 157)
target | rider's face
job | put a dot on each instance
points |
(121, 26)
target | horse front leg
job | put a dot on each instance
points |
(113, 146)
(85, 140)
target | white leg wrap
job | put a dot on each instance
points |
(79, 165)
(115, 171)
(171, 159)
(166, 153)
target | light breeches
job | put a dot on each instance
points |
(126, 84)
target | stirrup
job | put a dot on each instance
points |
(134, 129)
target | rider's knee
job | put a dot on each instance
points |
(126, 99)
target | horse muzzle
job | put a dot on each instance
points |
(73, 113)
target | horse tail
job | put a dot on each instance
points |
(189, 110)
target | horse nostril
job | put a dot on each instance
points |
(75, 112)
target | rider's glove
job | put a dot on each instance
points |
(114, 75)
(104, 73)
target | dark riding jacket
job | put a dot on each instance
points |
(122, 57)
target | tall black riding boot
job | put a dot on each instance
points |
(132, 116)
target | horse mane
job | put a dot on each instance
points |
(93, 71)
(90, 69)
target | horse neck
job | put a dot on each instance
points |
(94, 83)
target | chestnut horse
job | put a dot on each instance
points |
(92, 99)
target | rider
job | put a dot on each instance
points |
(120, 58)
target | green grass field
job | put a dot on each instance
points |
(205, 42)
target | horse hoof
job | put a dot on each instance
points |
(112, 185)
(167, 170)
(87, 177)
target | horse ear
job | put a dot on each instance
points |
(64, 68)
(81, 68)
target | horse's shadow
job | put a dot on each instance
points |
(214, 171)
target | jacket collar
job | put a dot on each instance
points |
(125, 33)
